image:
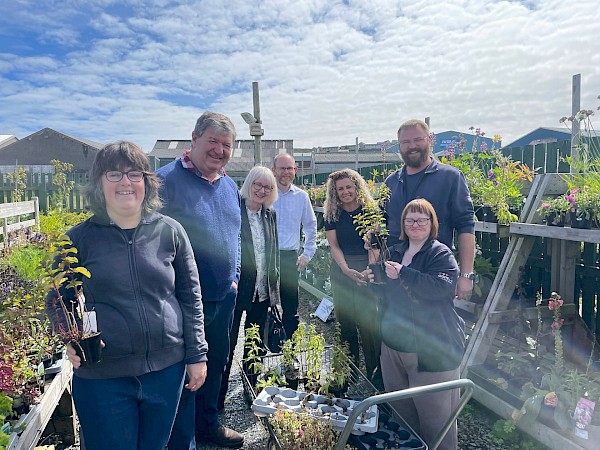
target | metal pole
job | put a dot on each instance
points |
(256, 103)
(312, 164)
(361, 407)
(356, 156)
(575, 108)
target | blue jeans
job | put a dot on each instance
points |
(197, 412)
(128, 413)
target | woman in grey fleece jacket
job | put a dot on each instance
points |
(144, 290)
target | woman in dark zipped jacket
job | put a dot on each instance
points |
(144, 291)
(422, 335)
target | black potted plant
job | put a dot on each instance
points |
(75, 325)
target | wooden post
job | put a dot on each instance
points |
(36, 214)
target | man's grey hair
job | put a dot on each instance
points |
(214, 121)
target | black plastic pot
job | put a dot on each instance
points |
(555, 220)
(339, 391)
(379, 276)
(579, 221)
(88, 349)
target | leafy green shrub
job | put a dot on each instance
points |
(506, 434)
(60, 220)
(25, 261)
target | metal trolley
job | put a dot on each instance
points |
(359, 388)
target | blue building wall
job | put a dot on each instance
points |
(446, 139)
(471, 142)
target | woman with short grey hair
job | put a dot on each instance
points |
(259, 280)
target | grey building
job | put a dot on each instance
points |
(242, 156)
(35, 152)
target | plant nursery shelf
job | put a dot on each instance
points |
(539, 431)
(312, 290)
(40, 415)
(563, 233)
(493, 228)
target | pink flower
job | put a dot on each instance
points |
(556, 325)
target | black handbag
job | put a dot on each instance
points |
(274, 333)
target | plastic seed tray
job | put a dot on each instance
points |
(390, 435)
(334, 409)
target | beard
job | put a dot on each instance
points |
(415, 160)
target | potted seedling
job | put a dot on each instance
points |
(291, 367)
(337, 378)
(71, 321)
(254, 351)
(303, 432)
(371, 226)
(315, 346)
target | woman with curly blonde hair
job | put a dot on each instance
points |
(355, 305)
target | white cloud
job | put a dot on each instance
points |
(328, 70)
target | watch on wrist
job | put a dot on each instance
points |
(469, 275)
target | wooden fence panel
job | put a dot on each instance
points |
(539, 158)
(517, 153)
(551, 158)
(40, 185)
(564, 151)
(528, 156)
(587, 284)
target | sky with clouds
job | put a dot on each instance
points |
(328, 71)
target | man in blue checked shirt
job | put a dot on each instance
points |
(294, 215)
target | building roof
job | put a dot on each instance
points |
(47, 144)
(6, 139)
(242, 156)
(364, 157)
(541, 135)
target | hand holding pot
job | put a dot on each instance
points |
(72, 355)
(392, 269)
(355, 275)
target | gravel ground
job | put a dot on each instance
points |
(474, 424)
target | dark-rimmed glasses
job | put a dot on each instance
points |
(258, 187)
(421, 221)
(114, 176)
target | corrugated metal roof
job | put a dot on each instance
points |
(349, 158)
(242, 158)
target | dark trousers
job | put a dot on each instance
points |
(289, 291)
(197, 412)
(257, 314)
(356, 311)
(128, 413)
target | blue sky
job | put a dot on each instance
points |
(328, 71)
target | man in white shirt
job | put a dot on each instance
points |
(293, 212)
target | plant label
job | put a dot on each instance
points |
(324, 309)
(583, 416)
(89, 322)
